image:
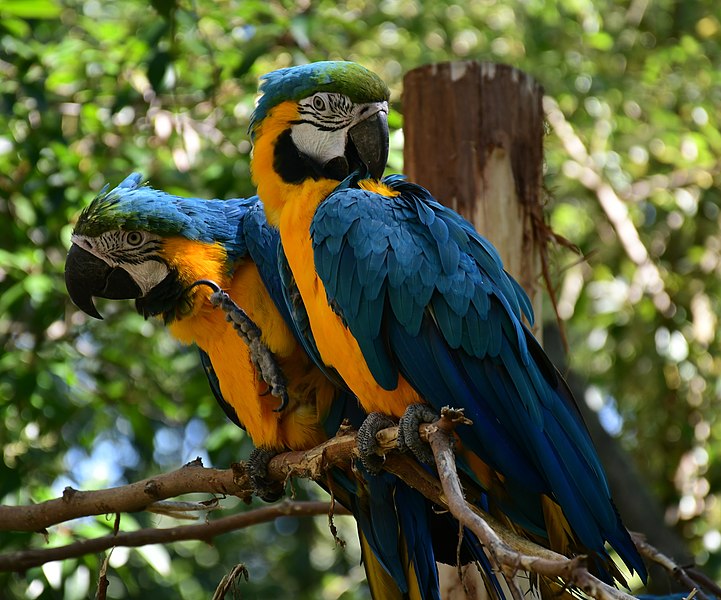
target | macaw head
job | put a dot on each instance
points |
(322, 121)
(135, 242)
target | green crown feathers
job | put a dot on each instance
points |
(295, 83)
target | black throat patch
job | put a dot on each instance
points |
(295, 167)
(290, 163)
(168, 298)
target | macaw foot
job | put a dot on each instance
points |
(263, 359)
(408, 436)
(257, 469)
(367, 444)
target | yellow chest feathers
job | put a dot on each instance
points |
(336, 344)
(299, 425)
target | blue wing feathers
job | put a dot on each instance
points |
(435, 299)
(370, 313)
(390, 514)
(348, 289)
(523, 301)
(372, 273)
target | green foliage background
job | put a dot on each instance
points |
(92, 90)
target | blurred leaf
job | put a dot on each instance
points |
(157, 67)
(30, 9)
(13, 26)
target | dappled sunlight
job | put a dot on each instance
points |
(94, 90)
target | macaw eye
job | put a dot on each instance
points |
(134, 238)
(318, 103)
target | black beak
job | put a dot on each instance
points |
(87, 276)
(370, 138)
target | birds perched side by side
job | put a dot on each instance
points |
(136, 242)
(370, 286)
(413, 309)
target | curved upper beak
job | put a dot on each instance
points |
(370, 138)
(86, 276)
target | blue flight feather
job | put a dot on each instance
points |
(451, 322)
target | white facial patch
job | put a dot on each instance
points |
(139, 260)
(147, 274)
(89, 245)
(324, 122)
(321, 146)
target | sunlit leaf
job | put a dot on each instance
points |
(30, 9)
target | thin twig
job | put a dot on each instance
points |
(688, 577)
(25, 559)
(103, 583)
(184, 510)
(230, 580)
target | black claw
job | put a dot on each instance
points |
(408, 436)
(366, 440)
(257, 469)
(211, 284)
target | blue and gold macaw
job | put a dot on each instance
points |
(412, 308)
(138, 242)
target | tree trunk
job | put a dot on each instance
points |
(473, 138)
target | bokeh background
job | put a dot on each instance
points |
(91, 90)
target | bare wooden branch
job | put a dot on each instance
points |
(195, 478)
(25, 559)
(689, 577)
(191, 478)
(135, 497)
(569, 570)
(507, 549)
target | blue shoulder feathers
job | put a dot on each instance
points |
(427, 297)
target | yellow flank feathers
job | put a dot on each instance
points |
(377, 186)
(381, 584)
(328, 329)
(291, 207)
(414, 591)
(299, 425)
(560, 535)
(487, 477)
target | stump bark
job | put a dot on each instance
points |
(474, 137)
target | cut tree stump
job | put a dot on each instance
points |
(474, 138)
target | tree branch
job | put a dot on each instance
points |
(689, 578)
(25, 559)
(506, 548)
(586, 173)
(134, 497)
